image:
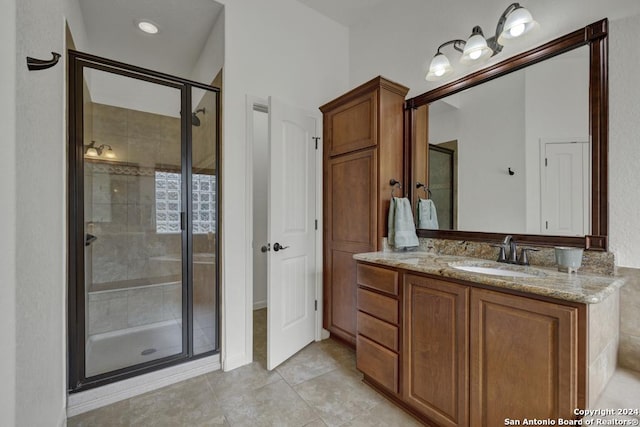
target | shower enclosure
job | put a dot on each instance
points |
(143, 224)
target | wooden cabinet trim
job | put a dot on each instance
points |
(377, 82)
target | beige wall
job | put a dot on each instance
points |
(8, 213)
(629, 347)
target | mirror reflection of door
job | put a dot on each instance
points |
(442, 173)
(565, 188)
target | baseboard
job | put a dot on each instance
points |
(85, 401)
(62, 419)
(257, 305)
(231, 363)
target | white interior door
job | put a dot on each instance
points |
(292, 234)
(565, 189)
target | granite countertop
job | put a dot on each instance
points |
(576, 287)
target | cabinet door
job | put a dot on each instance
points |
(350, 221)
(523, 359)
(353, 125)
(435, 349)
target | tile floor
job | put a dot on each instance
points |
(319, 386)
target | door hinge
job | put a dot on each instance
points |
(316, 138)
(182, 220)
(316, 224)
(545, 162)
(546, 224)
(315, 304)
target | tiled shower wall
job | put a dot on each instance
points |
(122, 201)
(120, 205)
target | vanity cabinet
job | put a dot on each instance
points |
(468, 356)
(363, 150)
(436, 349)
(524, 358)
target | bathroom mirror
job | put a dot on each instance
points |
(518, 148)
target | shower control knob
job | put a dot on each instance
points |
(278, 247)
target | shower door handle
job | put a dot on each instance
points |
(89, 239)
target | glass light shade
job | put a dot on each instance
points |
(91, 152)
(518, 23)
(439, 67)
(476, 49)
(110, 154)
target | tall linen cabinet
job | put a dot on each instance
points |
(363, 151)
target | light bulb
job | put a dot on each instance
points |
(475, 49)
(517, 30)
(110, 154)
(439, 67)
(517, 23)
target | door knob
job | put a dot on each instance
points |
(265, 248)
(277, 247)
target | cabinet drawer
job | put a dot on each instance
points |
(382, 279)
(378, 331)
(377, 305)
(377, 362)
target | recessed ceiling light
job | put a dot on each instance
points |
(148, 26)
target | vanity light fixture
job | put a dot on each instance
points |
(147, 26)
(92, 151)
(514, 22)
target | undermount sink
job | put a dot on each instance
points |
(505, 271)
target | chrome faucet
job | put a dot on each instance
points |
(509, 242)
(512, 257)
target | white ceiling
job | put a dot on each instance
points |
(184, 28)
(437, 12)
(346, 12)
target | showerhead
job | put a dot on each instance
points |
(195, 120)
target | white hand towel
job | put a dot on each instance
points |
(427, 215)
(402, 229)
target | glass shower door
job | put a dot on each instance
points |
(134, 198)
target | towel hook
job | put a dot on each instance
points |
(393, 183)
(42, 64)
(427, 192)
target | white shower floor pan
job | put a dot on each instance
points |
(127, 347)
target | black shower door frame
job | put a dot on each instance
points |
(77, 62)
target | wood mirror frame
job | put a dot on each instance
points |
(596, 37)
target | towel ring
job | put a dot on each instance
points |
(393, 183)
(427, 192)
